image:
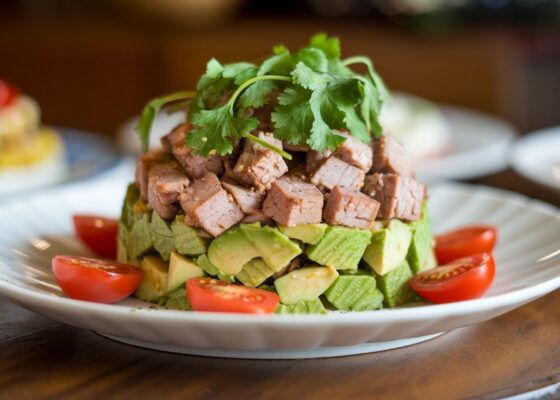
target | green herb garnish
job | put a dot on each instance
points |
(317, 94)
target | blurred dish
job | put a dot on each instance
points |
(445, 142)
(537, 157)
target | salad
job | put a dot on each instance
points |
(280, 193)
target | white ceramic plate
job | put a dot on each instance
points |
(537, 157)
(36, 228)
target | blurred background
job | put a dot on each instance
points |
(92, 64)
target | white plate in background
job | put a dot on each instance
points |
(537, 157)
(38, 227)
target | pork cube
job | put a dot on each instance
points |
(247, 198)
(399, 196)
(165, 182)
(209, 206)
(350, 207)
(143, 165)
(335, 172)
(389, 157)
(355, 152)
(174, 137)
(258, 166)
(196, 166)
(293, 202)
(257, 216)
(314, 158)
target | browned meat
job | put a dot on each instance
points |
(399, 196)
(174, 137)
(248, 199)
(257, 216)
(355, 152)
(258, 166)
(335, 172)
(350, 207)
(209, 206)
(196, 166)
(300, 148)
(165, 182)
(143, 165)
(293, 265)
(389, 157)
(293, 202)
(313, 159)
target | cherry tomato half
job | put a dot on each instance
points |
(207, 294)
(463, 279)
(100, 281)
(98, 233)
(8, 93)
(465, 241)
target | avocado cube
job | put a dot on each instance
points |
(181, 269)
(388, 247)
(304, 284)
(164, 241)
(140, 240)
(355, 293)
(255, 272)
(187, 240)
(314, 306)
(421, 246)
(230, 251)
(310, 234)
(154, 282)
(394, 286)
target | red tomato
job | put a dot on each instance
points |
(463, 279)
(464, 242)
(100, 281)
(207, 294)
(8, 93)
(98, 233)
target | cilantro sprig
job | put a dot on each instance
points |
(314, 93)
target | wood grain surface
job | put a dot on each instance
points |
(517, 352)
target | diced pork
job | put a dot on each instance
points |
(335, 172)
(196, 166)
(399, 196)
(258, 166)
(300, 148)
(247, 198)
(350, 207)
(174, 137)
(389, 157)
(293, 202)
(257, 216)
(209, 206)
(355, 152)
(165, 182)
(143, 165)
(314, 158)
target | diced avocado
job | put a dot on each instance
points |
(140, 240)
(304, 284)
(176, 300)
(204, 263)
(421, 245)
(164, 241)
(276, 249)
(394, 286)
(128, 216)
(230, 251)
(154, 283)
(388, 247)
(181, 269)
(122, 243)
(303, 307)
(254, 272)
(187, 241)
(310, 234)
(354, 293)
(340, 247)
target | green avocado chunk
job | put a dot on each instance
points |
(255, 272)
(164, 240)
(314, 306)
(394, 286)
(420, 252)
(204, 263)
(181, 269)
(122, 244)
(355, 293)
(176, 300)
(310, 234)
(340, 247)
(275, 248)
(128, 215)
(140, 240)
(388, 247)
(154, 282)
(187, 240)
(230, 251)
(304, 284)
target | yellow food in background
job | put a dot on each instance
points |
(45, 144)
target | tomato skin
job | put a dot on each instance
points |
(474, 275)
(8, 93)
(464, 242)
(94, 280)
(98, 233)
(212, 295)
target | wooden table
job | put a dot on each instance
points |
(516, 353)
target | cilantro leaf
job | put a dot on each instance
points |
(314, 59)
(322, 136)
(347, 95)
(330, 46)
(293, 118)
(240, 72)
(309, 79)
(216, 131)
(213, 73)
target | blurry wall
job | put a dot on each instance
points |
(92, 64)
